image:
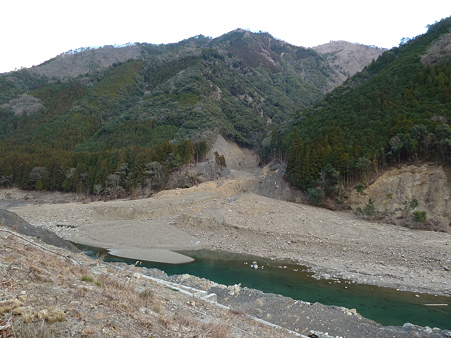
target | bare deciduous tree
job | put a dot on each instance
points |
(37, 176)
(24, 104)
(38, 173)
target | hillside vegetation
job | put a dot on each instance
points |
(116, 121)
(398, 109)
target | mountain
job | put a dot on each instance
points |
(104, 118)
(267, 78)
(345, 57)
(85, 60)
(398, 109)
(348, 58)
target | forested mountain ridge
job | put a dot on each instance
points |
(269, 77)
(397, 109)
(100, 119)
(345, 57)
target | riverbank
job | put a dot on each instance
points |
(225, 215)
(51, 292)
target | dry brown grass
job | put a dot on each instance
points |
(27, 313)
(186, 325)
(123, 295)
(48, 295)
(33, 330)
(9, 305)
(6, 327)
(52, 315)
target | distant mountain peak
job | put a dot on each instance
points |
(240, 30)
(84, 60)
(348, 58)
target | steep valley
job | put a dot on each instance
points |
(228, 214)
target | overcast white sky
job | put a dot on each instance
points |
(33, 31)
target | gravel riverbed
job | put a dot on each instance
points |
(225, 215)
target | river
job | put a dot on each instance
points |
(386, 306)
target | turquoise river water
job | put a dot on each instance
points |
(386, 306)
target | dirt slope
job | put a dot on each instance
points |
(51, 292)
(391, 193)
(228, 214)
(223, 215)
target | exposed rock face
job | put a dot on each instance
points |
(237, 158)
(272, 184)
(430, 185)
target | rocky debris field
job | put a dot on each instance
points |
(228, 214)
(224, 215)
(51, 292)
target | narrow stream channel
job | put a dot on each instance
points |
(386, 306)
